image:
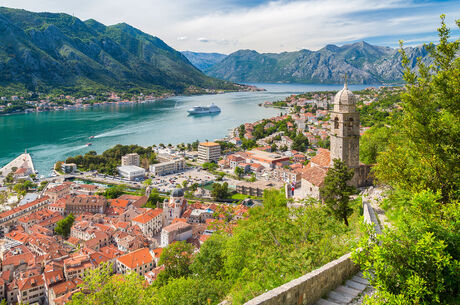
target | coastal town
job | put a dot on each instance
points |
(54, 230)
(40, 102)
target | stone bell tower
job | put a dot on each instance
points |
(344, 133)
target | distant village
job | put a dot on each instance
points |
(33, 102)
(292, 152)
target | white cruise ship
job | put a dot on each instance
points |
(204, 109)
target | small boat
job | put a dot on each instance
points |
(92, 137)
(204, 109)
(89, 144)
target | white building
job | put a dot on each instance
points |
(200, 215)
(168, 167)
(177, 231)
(69, 168)
(131, 172)
(130, 159)
(208, 152)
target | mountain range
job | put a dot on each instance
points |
(203, 61)
(362, 62)
(43, 51)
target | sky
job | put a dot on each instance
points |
(226, 26)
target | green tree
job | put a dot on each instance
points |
(300, 142)
(100, 287)
(209, 262)
(424, 153)
(23, 187)
(58, 166)
(219, 191)
(154, 199)
(336, 191)
(114, 191)
(176, 258)
(210, 166)
(239, 172)
(63, 226)
(147, 182)
(372, 143)
(417, 262)
(190, 291)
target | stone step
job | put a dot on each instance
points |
(347, 290)
(355, 285)
(360, 280)
(339, 297)
(360, 274)
(325, 302)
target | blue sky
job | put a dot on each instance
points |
(265, 26)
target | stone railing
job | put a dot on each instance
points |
(310, 287)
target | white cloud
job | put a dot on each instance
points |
(273, 26)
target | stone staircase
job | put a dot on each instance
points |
(348, 293)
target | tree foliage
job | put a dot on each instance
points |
(63, 226)
(219, 191)
(417, 261)
(336, 190)
(424, 153)
(110, 159)
(373, 142)
(176, 259)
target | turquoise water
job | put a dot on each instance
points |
(52, 136)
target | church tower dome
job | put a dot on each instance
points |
(345, 100)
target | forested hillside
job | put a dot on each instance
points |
(44, 51)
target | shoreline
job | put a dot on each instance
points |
(110, 103)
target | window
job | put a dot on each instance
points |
(350, 122)
(336, 123)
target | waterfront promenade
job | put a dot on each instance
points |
(22, 161)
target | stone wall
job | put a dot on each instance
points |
(308, 288)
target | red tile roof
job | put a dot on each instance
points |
(148, 216)
(322, 158)
(136, 258)
(315, 175)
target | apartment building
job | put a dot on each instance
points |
(208, 152)
(130, 159)
(167, 167)
(31, 290)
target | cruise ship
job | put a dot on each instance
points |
(204, 109)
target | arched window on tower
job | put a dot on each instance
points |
(350, 123)
(336, 123)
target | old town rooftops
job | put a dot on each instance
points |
(136, 258)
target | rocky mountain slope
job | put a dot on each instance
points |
(203, 61)
(364, 64)
(44, 51)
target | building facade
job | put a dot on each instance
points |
(131, 172)
(168, 167)
(208, 152)
(130, 159)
